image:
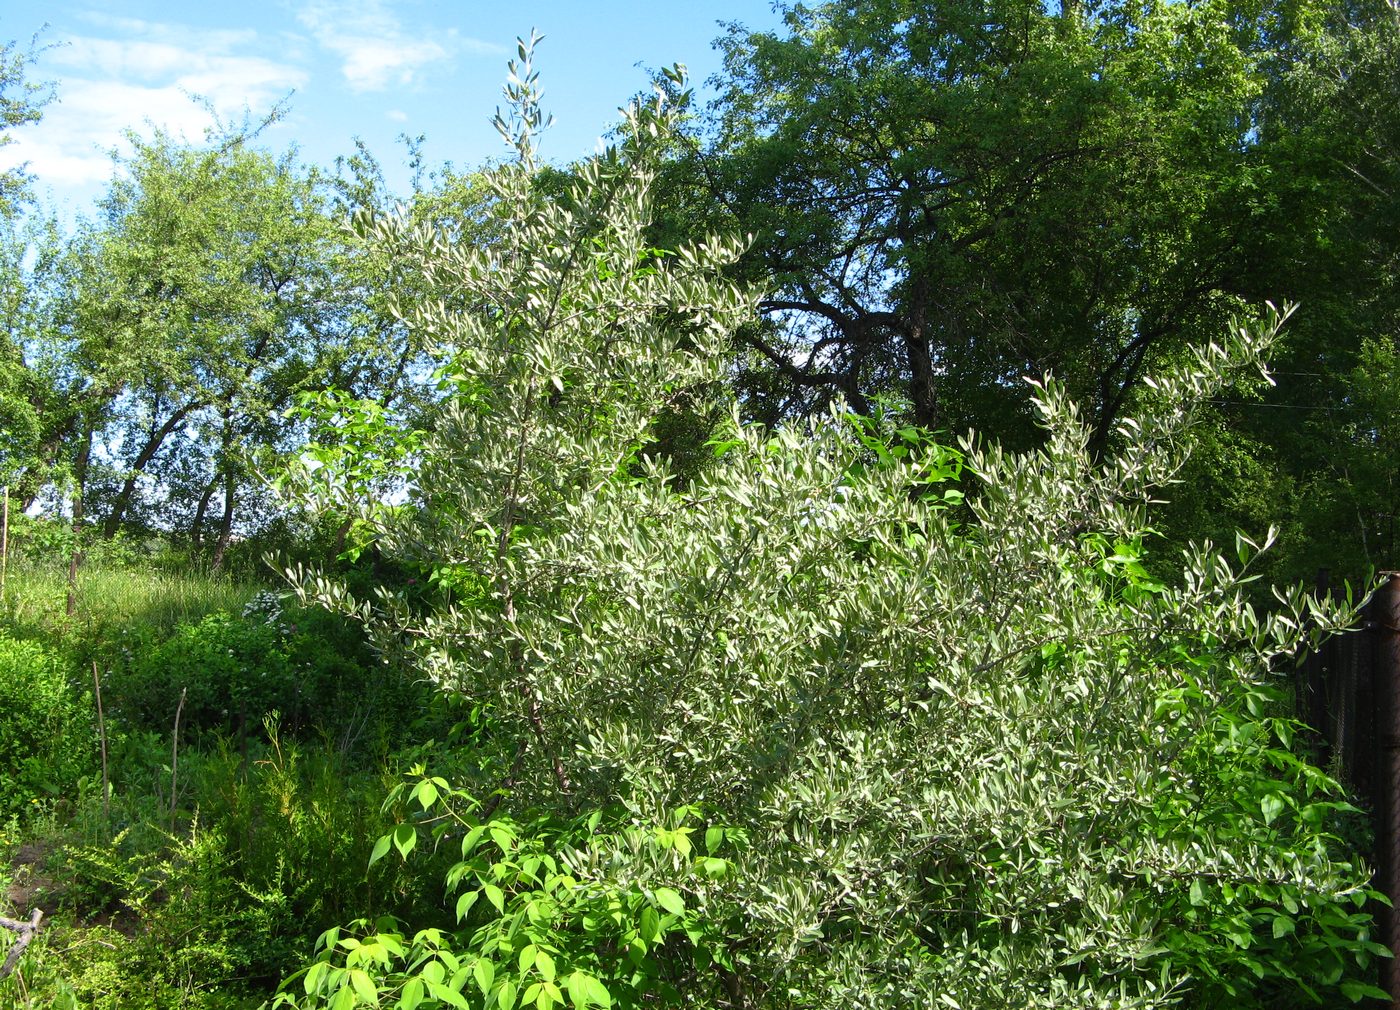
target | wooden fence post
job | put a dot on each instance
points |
(1386, 622)
(4, 541)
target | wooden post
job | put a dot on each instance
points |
(1386, 785)
(4, 541)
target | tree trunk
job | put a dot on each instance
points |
(197, 527)
(225, 523)
(143, 459)
(923, 385)
(75, 559)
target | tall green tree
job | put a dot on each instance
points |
(36, 266)
(947, 197)
(1318, 447)
(218, 286)
(26, 267)
(21, 101)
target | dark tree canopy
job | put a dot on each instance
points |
(947, 197)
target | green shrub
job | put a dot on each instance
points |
(350, 693)
(269, 849)
(149, 920)
(295, 823)
(47, 740)
(230, 671)
(311, 667)
(545, 908)
(983, 758)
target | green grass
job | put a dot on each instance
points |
(36, 595)
(196, 893)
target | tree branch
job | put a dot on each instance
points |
(27, 931)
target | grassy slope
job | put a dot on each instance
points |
(200, 906)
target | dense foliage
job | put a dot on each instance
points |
(199, 875)
(698, 667)
(965, 748)
(47, 743)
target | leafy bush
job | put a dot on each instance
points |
(229, 670)
(295, 823)
(551, 910)
(179, 932)
(982, 757)
(46, 731)
(312, 668)
(269, 848)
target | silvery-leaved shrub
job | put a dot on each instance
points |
(976, 755)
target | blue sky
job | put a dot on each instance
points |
(372, 69)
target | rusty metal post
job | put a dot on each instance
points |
(1385, 619)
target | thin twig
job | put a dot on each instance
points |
(102, 735)
(175, 757)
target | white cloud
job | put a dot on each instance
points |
(169, 31)
(376, 52)
(397, 115)
(129, 73)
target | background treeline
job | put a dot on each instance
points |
(641, 556)
(942, 198)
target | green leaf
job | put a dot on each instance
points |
(465, 903)
(598, 992)
(405, 838)
(1197, 894)
(1357, 991)
(577, 987)
(469, 842)
(544, 964)
(412, 994)
(427, 793)
(505, 995)
(714, 867)
(670, 900)
(485, 974)
(381, 848)
(448, 995)
(650, 925)
(365, 990)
